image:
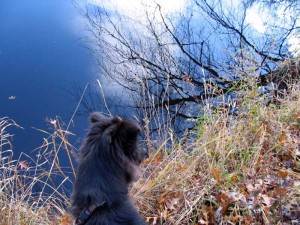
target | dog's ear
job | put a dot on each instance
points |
(108, 125)
(112, 130)
(104, 121)
(115, 125)
(99, 118)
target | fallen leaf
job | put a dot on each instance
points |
(234, 178)
(66, 220)
(268, 201)
(216, 174)
(171, 203)
(253, 189)
(152, 220)
(223, 199)
(155, 159)
(181, 168)
(235, 219)
(12, 97)
(23, 165)
(282, 138)
(279, 191)
(283, 174)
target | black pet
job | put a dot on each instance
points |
(109, 161)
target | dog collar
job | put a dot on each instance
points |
(86, 213)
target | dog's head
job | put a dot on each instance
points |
(122, 134)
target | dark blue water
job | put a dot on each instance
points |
(43, 55)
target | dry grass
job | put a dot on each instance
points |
(32, 188)
(238, 170)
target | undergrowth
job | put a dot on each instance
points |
(32, 188)
(240, 169)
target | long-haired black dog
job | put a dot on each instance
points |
(109, 161)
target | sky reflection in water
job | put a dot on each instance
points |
(42, 55)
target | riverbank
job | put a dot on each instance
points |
(239, 169)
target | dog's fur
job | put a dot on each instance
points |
(109, 161)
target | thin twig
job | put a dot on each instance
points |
(103, 96)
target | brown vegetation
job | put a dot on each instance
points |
(236, 170)
(240, 170)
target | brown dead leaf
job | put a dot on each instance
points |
(253, 189)
(235, 219)
(247, 219)
(208, 213)
(297, 116)
(181, 168)
(172, 203)
(279, 191)
(250, 188)
(258, 163)
(216, 173)
(283, 138)
(245, 169)
(234, 196)
(152, 220)
(283, 174)
(223, 199)
(268, 201)
(66, 220)
(234, 178)
(168, 202)
(157, 158)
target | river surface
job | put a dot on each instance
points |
(43, 55)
